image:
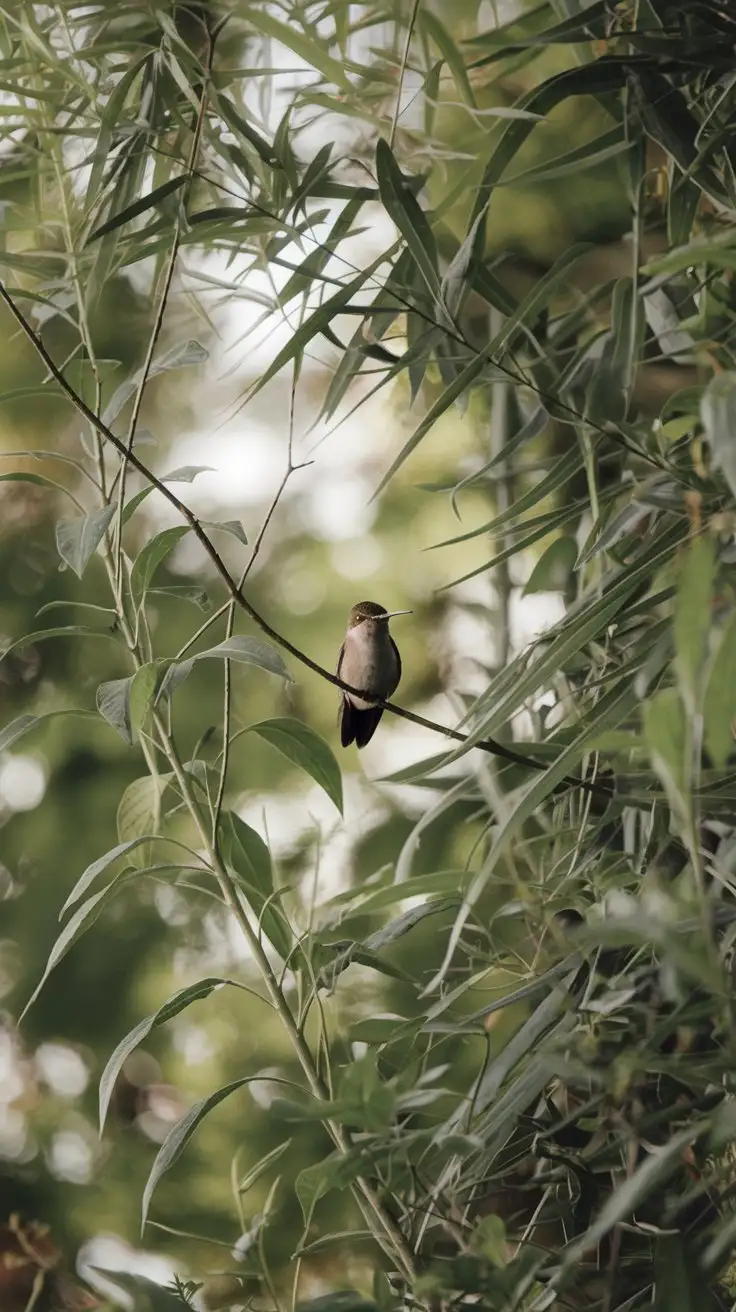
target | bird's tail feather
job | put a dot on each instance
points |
(357, 726)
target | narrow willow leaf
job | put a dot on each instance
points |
(113, 702)
(309, 48)
(570, 164)
(181, 356)
(560, 473)
(250, 858)
(404, 209)
(135, 501)
(260, 1168)
(527, 309)
(449, 51)
(583, 621)
(316, 323)
(77, 539)
(718, 411)
(40, 480)
(692, 618)
(587, 22)
(407, 920)
(718, 249)
(177, 1139)
(82, 920)
(231, 526)
(63, 631)
(595, 79)
(181, 592)
(175, 1004)
(612, 708)
(553, 571)
(23, 724)
(719, 707)
(87, 878)
(666, 735)
(139, 812)
(314, 1182)
(248, 651)
(16, 729)
(144, 689)
(139, 206)
(151, 556)
(186, 474)
(305, 748)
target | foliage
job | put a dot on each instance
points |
(568, 1142)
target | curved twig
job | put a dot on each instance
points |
(490, 745)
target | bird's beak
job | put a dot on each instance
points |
(390, 614)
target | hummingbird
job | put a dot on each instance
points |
(369, 659)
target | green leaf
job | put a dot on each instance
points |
(113, 702)
(692, 618)
(63, 631)
(571, 163)
(666, 735)
(231, 526)
(151, 556)
(249, 857)
(182, 356)
(96, 868)
(305, 748)
(718, 412)
(139, 206)
(82, 920)
(718, 249)
(526, 310)
(139, 812)
(175, 1004)
(614, 706)
(403, 208)
(77, 539)
(23, 476)
(248, 651)
(16, 729)
(315, 1181)
(23, 724)
(186, 473)
(177, 1139)
(182, 592)
(719, 706)
(310, 49)
(264, 1164)
(553, 571)
(449, 51)
(145, 686)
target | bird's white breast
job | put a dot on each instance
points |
(369, 661)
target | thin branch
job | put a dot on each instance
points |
(402, 72)
(490, 745)
(161, 311)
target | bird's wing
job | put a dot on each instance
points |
(344, 709)
(398, 661)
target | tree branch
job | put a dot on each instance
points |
(490, 745)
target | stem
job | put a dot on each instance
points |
(158, 321)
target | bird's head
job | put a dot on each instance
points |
(370, 610)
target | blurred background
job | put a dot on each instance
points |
(328, 545)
